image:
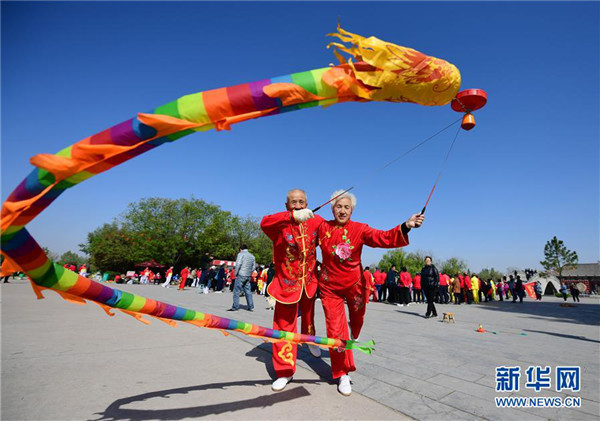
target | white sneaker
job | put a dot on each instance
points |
(344, 386)
(315, 351)
(280, 384)
(400, 305)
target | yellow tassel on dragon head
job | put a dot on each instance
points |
(389, 72)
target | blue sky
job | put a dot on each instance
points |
(527, 172)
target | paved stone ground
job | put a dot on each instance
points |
(64, 361)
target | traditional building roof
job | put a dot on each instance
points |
(588, 270)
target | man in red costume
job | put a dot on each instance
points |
(341, 278)
(184, 275)
(468, 289)
(168, 275)
(370, 284)
(416, 286)
(379, 276)
(294, 237)
(404, 284)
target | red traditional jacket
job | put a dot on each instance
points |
(405, 279)
(416, 282)
(369, 277)
(342, 248)
(294, 255)
(443, 280)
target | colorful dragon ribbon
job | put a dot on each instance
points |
(382, 72)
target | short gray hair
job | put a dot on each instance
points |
(287, 196)
(345, 195)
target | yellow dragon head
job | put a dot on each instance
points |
(394, 73)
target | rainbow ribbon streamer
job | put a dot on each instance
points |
(382, 72)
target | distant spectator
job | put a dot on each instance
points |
(538, 291)
(563, 290)
(379, 276)
(519, 289)
(169, 275)
(220, 277)
(444, 298)
(468, 289)
(244, 266)
(430, 279)
(416, 287)
(456, 289)
(184, 275)
(404, 287)
(390, 284)
(574, 292)
(511, 287)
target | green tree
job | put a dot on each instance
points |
(492, 273)
(413, 261)
(558, 257)
(110, 247)
(51, 255)
(454, 265)
(174, 233)
(72, 258)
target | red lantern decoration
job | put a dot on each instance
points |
(466, 102)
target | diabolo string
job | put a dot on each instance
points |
(396, 159)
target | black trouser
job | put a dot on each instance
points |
(457, 297)
(203, 278)
(444, 297)
(469, 296)
(520, 293)
(575, 295)
(392, 293)
(383, 292)
(417, 295)
(429, 294)
(404, 295)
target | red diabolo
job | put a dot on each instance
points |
(466, 102)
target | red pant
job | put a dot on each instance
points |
(337, 326)
(183, 281)
(285, 318)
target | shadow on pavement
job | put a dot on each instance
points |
(420, 315)
(563, 335)
(583, 313)
(263, 354)
(115, 411)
